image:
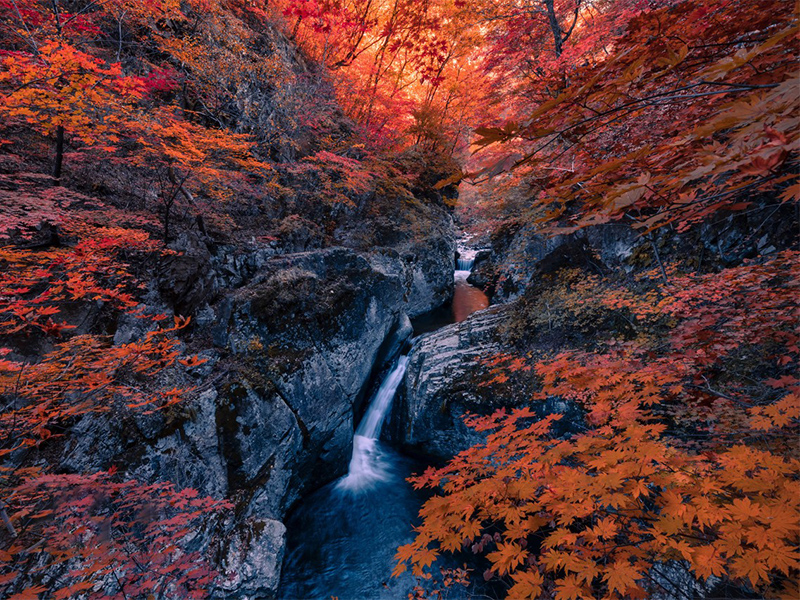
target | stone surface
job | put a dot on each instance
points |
(443, 384)
(292, 344)
(252, 561)
(440, 384)
(520, 255)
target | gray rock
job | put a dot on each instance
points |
(429, 274)
(443, 383)
(292, 343)
(440, 384)
(517, 257)
(185, 280)
(251, 565)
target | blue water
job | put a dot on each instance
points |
(341, 540)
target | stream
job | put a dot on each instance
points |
(341, 539)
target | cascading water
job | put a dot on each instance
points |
(465, 264)
(465, 260)
(367, 465)
(342, 539)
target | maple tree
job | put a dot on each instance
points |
(689, 122)
(59, 81)
(404, 70)
(48, 82)
(660, 114)
(667, 468)
(95, 535)
(684, 112)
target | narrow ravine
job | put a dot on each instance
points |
(341, 540)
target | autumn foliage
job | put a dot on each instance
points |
(688, 111)
(683, 477)
(65, 263)
(668, 469)
(125, 124)
(96, 534)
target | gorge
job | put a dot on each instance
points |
(341, 539)
(377, 299)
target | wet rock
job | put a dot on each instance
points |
(439, 386)
(447, 378)
(292, 346)
(429, 275)
(252, 564)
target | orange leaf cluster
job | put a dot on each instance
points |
(666, 469)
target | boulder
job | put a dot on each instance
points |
(441, 383)
(448, 377)
(519, 255)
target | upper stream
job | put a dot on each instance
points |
(341, 539)
(466, 298)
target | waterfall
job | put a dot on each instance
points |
(465, 264)
(466, 259)
(367, 464)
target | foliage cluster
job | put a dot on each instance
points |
(683, 478)
(97, 534)
(687, 455)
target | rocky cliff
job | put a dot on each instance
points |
(520, 253)
(450, 375)
(292, 342)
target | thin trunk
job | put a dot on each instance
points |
(555, 26)
(7, 521)
(559, 35)
(167, 215)
(658, 257)
(59, 161)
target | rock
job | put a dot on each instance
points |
(443, 383)
(184, 279)
(429, 267)
(519, 255)
(426, 270)
(439, 385)
(251, 566)
(296, 234)
(411, 239)
(518, 250)
(292, 349)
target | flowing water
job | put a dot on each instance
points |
(342, 539)
(369, 465)
(466, 298)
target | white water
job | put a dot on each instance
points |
(466, 259)
(368, 464)
(464, 265)
(342, 539)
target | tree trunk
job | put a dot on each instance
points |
(59, 155)
(555, 26)
(167, 215)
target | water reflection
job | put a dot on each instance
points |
(466, 298)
